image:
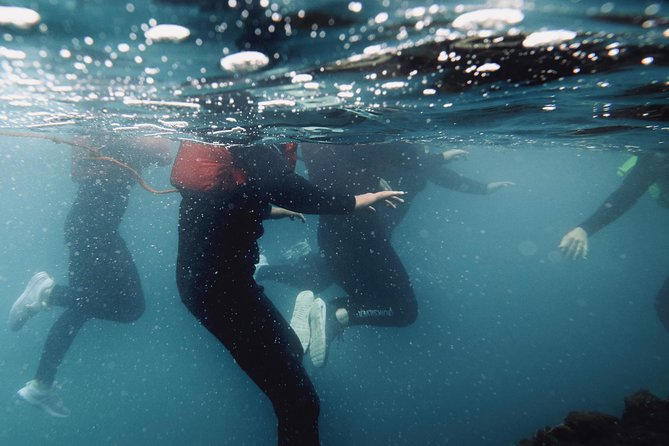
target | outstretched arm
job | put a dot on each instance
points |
(574, 244)
(391, 197)
(277, 213)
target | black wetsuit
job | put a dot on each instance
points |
(355, 250)
(650, 168)
(103, 279)
(217, 251)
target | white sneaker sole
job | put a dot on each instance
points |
(25, 395)
(300, 320)
(31, 301)
(318, 346)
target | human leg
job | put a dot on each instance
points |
(104, 281)
(58, 341)
(367, 267)
(243, 319)
(39, 391)
(379, 291)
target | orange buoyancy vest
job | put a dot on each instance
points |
(203, 167)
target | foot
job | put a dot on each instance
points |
(300, 320)
(44, 397)
(324, 327)
(32, 301)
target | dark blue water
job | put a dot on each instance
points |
(511, 335)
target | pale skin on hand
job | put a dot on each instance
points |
(497, 185)
(574, 245)
(277, 213)
(453, 154)
(390, 197)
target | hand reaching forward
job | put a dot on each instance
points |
(277, 213)
(574, 244)
(453, 154)
(497, 185)
(390, 197)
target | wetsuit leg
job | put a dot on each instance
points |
(104, 281)
(662, 304)
(243, 319)
(366, 266)
(104, 284)
(60, 338)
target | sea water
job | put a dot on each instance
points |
(510, 336)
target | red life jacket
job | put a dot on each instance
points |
(202, 167)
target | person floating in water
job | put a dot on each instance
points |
(649, 172)
(220, 221)
(349, 245)
(103, 279)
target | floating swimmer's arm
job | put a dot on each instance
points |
(625, 196)
(277, 213)
(574, 244)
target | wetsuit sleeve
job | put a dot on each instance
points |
(297, 194)
(622, 199)
(449, 179)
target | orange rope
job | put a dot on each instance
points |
(97, 155)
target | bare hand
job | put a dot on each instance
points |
(277, 213)
(390, 197)
(453, 154)
(574, 245)
(384, 185)
(497, 185)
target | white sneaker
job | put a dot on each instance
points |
(43, 397)
(32, 301)
(324, 327)
(300, 320)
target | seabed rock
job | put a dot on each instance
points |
(645, 422)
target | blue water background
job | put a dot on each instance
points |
(510, 337)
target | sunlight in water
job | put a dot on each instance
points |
(18, 17)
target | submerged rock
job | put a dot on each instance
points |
(645, 421)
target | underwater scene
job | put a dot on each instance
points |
(373, 222)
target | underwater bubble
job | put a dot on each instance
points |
(493, 18)
(394, 85)
(167, 33)
(244, 61)
(300, 78)
(488, 67)
(381, 17)
(276, 103)
(544, 38)
(527, 248)
(19, 17)
(355, 6)
(12, 54)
